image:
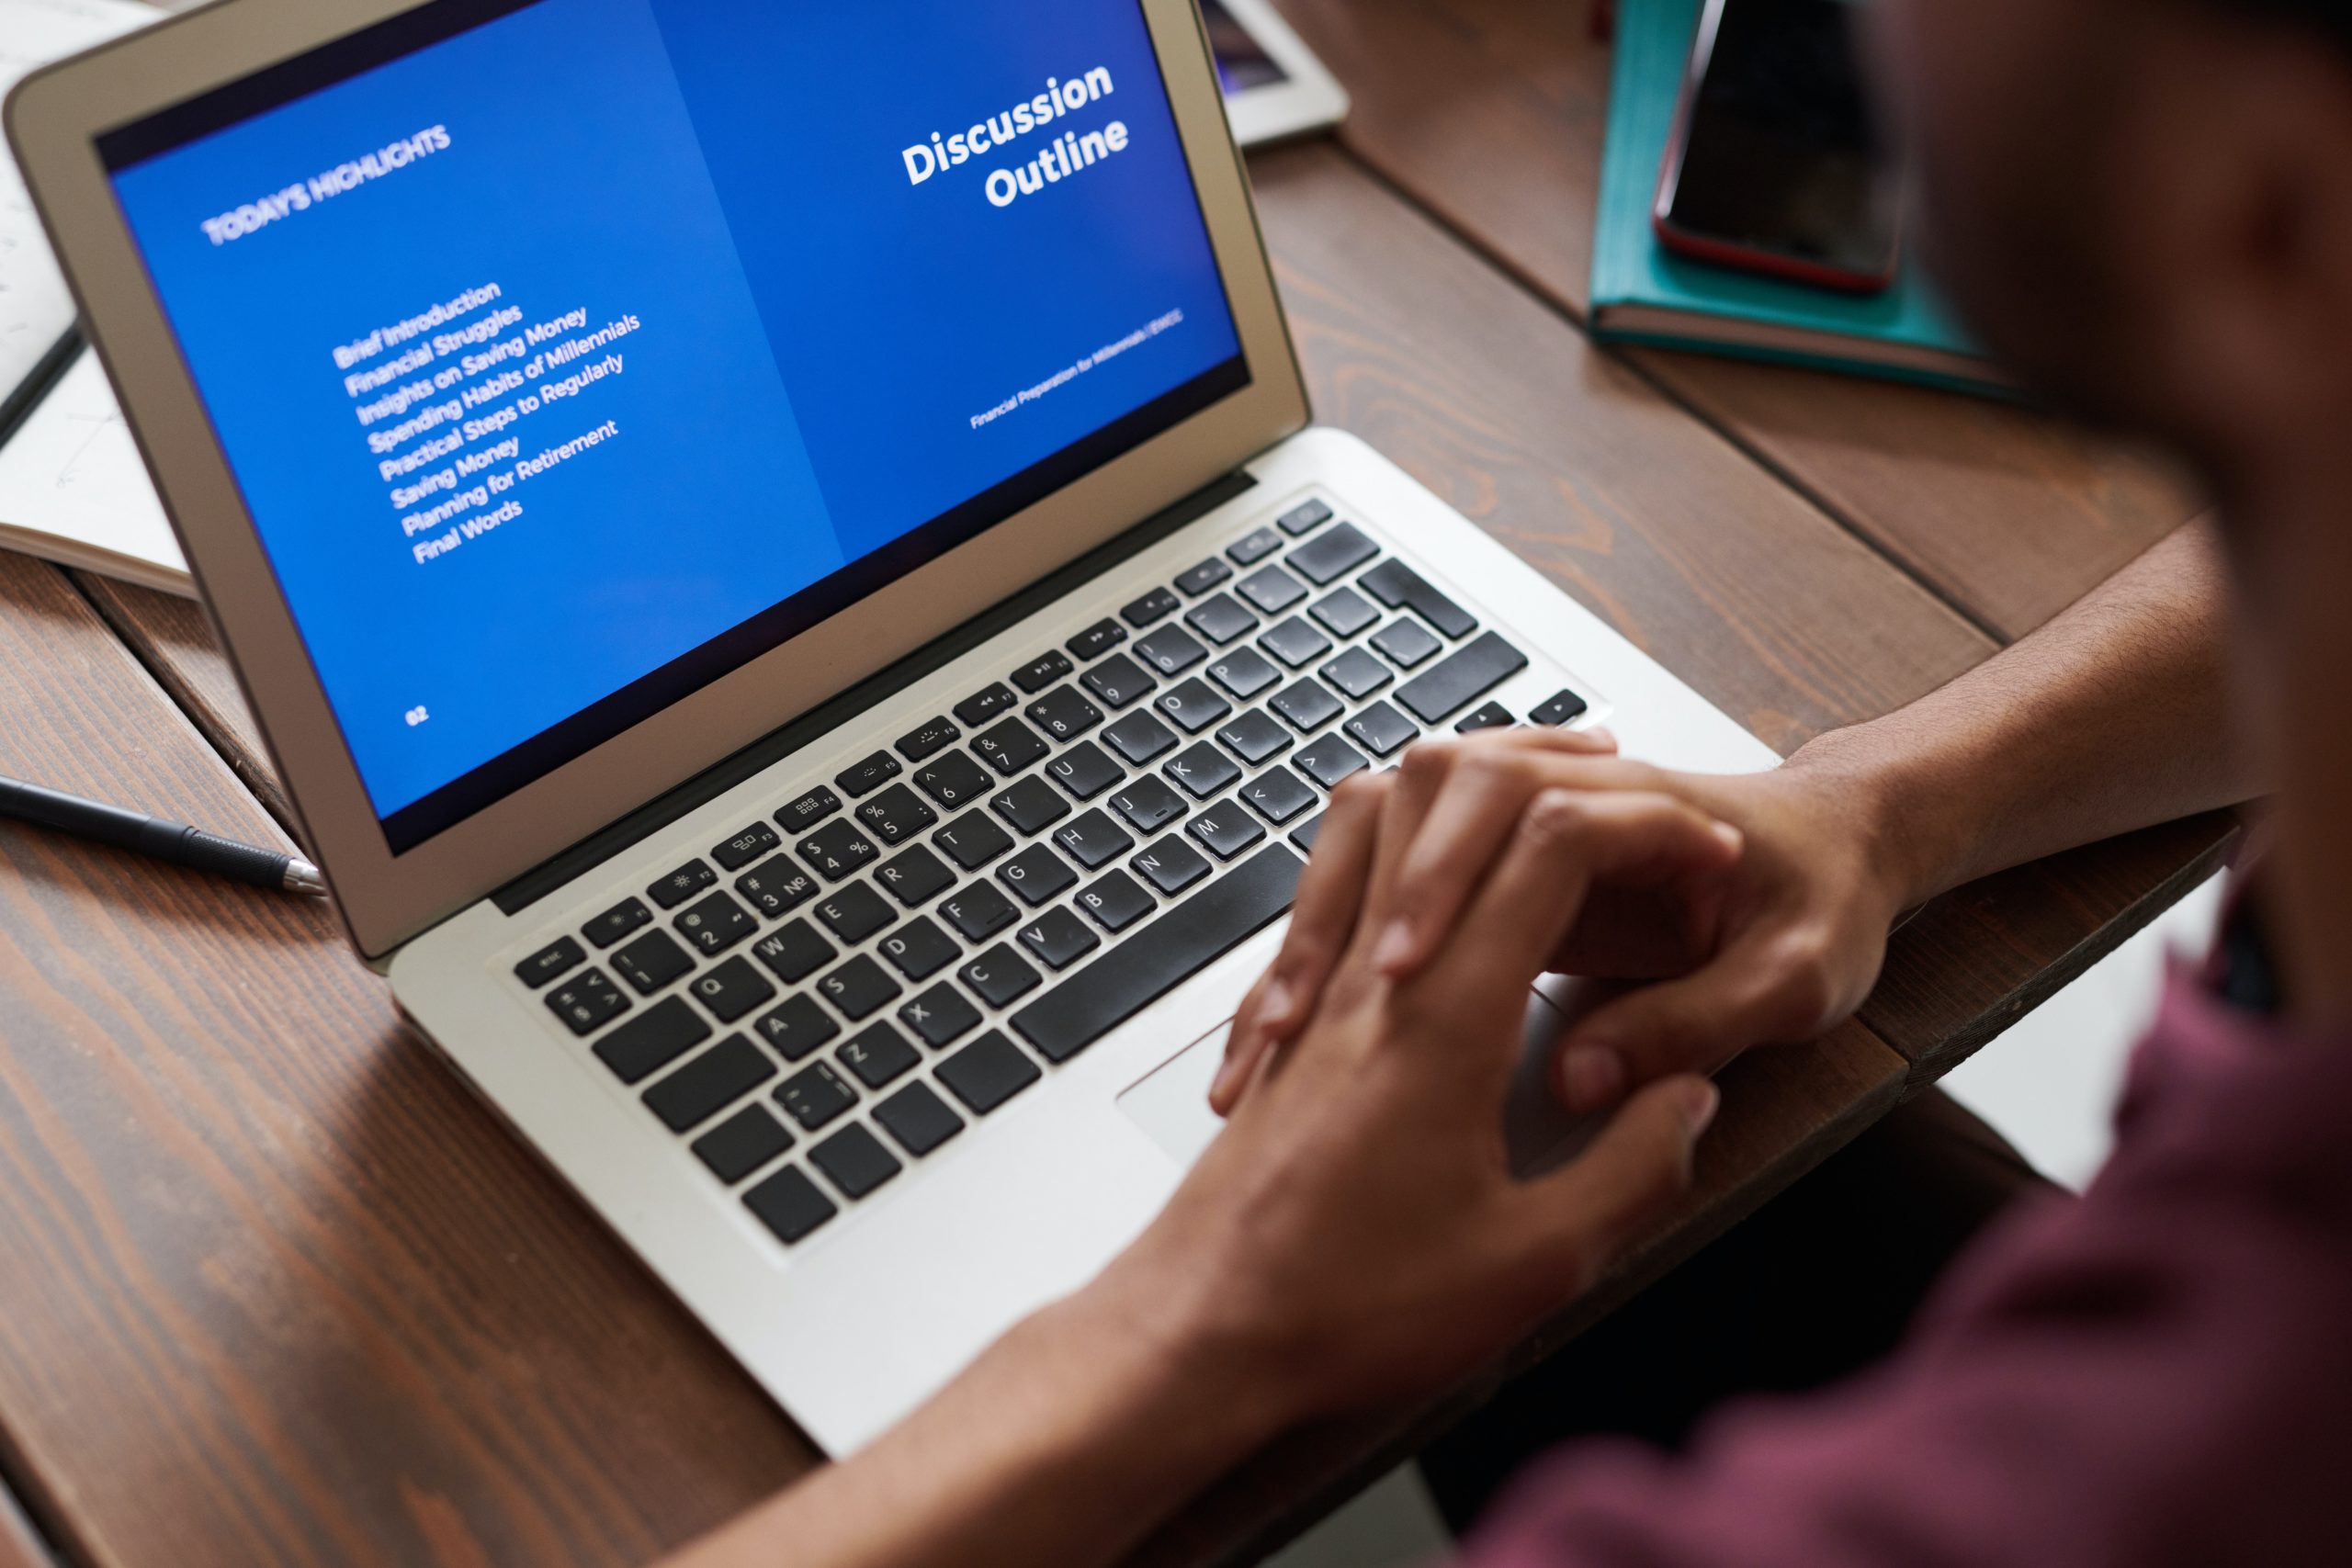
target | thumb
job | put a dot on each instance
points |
(1693, 1024)
(1580, 1217)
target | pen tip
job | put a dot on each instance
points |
(302, 876)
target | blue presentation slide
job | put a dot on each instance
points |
(548, 353)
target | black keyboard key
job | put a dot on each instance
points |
(789, 1204)
(652, 1040)
(1397, 585)
(1037, 874)
(896, 814)
(1244, 671)
(919, 949)
(918, 1119)
(1000, 975)
(716, 924)
(587, 1001)
(1340, 551)
(865, 777)
(796, 1028)
(815, 1095)
(1253, 736)
(776, 886)
(745, 847)
(743, 1144)
(914, 878)
(1273, 591)
(1202, 770)
(731, 989)
(1560, 707)
(1155, 605)
(973, 840)
(618, 922)
(1405, 643)
(1115, 902)
(992, 701)
(953, 779)
(1253, 546)
(1220, 618)
(1468, 674)
(808, 810)
(1170, 650)
(1485, 715)
(1161, 953)
(928, 737)
(1226, 829)
(1084, 771)
(1357, 674)
(1009, 747)
(682, 883)
(1118, 681)
(877, 1054)
(855, 1160)
(987, 1072)
(1328, 759)
(1307, 833)
(858, 987)
(1346, 613)
(1059, 938)
(837, 850)
(1041, 672)
(1097, 640)
(1172, 865)
(1139, 737)
(1093, 839)
(1306, 705)
(1277, 795)
(1192, 705)
(1199, 579)
(979, 911)
(1304, 518)
(1149, 804)
(559, 957)
(1380, 729)
(1030, 806)
(1294, 642)
(1064, 714)
(710, 1083)
(855, 913)
(794, 951)
(651, 961)
(940, 1015)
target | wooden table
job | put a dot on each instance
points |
(275, 1289)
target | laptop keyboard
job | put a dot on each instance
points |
(1004, 884)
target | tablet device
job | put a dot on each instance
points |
(1275, 87)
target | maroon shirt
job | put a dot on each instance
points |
(2159, 1372)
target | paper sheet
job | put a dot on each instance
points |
(72, 487)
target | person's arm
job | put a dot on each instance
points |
(2109, 719)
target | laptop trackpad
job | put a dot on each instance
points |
(1172, 1105)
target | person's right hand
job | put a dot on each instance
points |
(1778, 941)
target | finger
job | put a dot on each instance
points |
(1323, 918)
(1578, 1217)
(1420, 778)
(1751, 995)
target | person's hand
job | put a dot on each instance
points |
(1778, 940)
(1354, 1233)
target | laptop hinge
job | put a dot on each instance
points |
(568, 866)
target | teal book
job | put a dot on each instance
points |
(1642, 293)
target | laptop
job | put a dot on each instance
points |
(781, 556)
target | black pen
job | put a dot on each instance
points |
(158, 838)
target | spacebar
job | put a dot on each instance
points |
(1156, 956)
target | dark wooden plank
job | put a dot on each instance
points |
(1490, 113)
(279, 1291)
(20, 1546)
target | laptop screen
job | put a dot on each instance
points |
(571, 353)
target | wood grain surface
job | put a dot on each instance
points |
(1490, 113)
(19, 1546)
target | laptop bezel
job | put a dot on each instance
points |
(54, 120)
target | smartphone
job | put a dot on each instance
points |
(1775, 165)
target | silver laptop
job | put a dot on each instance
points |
(779, 552)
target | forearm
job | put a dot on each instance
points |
(2112, 716)
(1063, 1443)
